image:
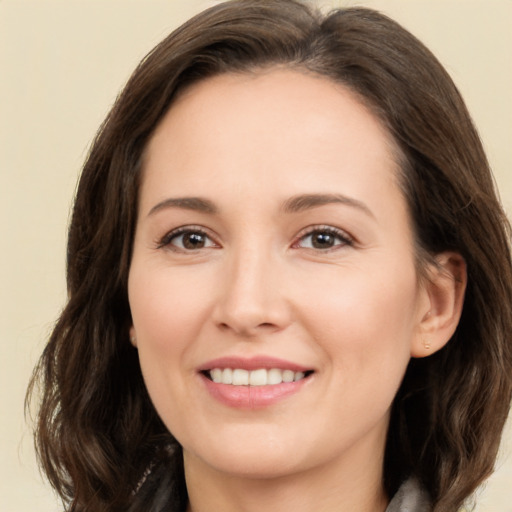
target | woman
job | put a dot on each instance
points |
(289, 278)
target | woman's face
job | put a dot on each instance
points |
(273, 244)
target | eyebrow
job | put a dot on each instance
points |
(306, 201)
(188, 203)
(294, 204)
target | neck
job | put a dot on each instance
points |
(355, 488)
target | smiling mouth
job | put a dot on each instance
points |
(259, 377)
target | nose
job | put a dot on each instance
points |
(252, 299)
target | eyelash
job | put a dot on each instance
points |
(344, 239)
(166, 240)
(340, 235)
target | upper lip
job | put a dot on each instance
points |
(252, 363)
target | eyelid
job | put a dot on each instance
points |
(347, 239)
(165, 241)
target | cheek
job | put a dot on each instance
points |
(166, 317)
(166, 307)
(363, 316)
(165, 312)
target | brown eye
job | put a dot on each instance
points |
(187, 240)
(324, 239)
(193, 240)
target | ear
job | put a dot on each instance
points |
(133, 336)
(443, 290)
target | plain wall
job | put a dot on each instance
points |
(61, 65)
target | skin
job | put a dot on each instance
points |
(354, 312)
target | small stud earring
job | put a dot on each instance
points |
(426, 344)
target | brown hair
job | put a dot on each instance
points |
(98, 433)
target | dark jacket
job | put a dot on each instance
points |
(410, 498)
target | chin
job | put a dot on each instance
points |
(257, 467)
(268, 459)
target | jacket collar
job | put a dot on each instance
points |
(411, 497)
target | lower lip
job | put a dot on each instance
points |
(252, 397)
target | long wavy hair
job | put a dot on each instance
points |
(98, 437)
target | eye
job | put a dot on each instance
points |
(323, 238)
(187, 239)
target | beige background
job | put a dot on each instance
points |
(61, 65)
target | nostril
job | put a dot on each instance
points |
(247, 330)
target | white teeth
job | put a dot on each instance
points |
(288, 376)
(216, 375)
(274, 376)
(260, 377)
(240, 377)
(227, 376)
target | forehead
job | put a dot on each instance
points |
(277, 124)
(298, 91)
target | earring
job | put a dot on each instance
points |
(426, 344)
(132, 339)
